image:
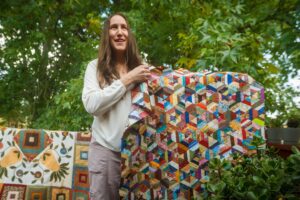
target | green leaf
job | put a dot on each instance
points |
(257, 180)
(1, 172)
(5, 173)
(211, 187)
(220, 186)
(295, 150)
(250, 195)
(226, 164)
(272, 68)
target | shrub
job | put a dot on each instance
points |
(261, 175)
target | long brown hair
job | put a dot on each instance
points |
(106, 67)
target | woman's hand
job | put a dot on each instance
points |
(139, 74)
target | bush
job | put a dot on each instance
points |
(294, 120)
(262, 175)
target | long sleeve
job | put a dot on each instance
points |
(96, 100)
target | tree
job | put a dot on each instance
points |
(66, 111)
(44, 44)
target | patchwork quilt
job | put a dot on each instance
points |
(41, 164)
(179, 120)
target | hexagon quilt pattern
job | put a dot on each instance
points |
(179, 121)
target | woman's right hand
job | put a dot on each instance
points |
(139, 74)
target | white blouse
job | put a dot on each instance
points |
(110, 107)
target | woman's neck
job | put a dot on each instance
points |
(119, 58)
(120, 64)
(121, 68)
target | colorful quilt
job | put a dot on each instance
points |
(41, 164)
(178, 122)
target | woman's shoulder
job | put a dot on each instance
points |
(93, 62)
(92, 65)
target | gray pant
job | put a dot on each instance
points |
(104, 172)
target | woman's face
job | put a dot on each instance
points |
(118, 33)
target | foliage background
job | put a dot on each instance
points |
(46, 45)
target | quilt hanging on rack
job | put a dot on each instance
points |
(182, 119)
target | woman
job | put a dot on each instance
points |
(106, 95)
